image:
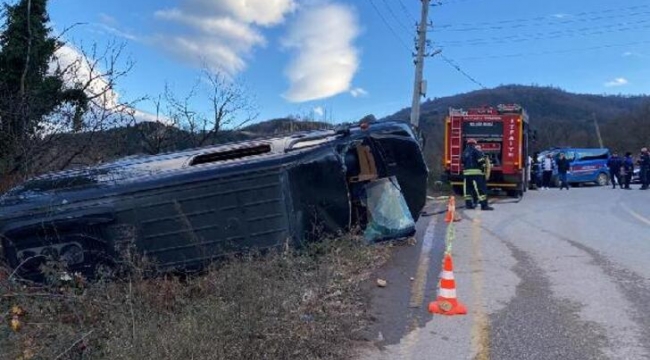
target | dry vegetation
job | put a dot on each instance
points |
(305, 304)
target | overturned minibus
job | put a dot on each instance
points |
(183, 210)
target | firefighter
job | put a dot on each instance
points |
(474, 176)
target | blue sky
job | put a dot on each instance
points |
(341, 60)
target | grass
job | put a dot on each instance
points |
(305, 304)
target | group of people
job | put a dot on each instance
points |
(546, 167)
(622, 169)
(475, 165)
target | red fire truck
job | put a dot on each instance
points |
(502, 133)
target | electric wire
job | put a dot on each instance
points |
(463, 72)
(614, 28)
(392, 13)
(389, 26)
(406, 11)
(553, 52)
(486, 25)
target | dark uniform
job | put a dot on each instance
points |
(628, 166)
(615, 164)
(644, 165)
(474, 186)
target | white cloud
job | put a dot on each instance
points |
(358, 92)
(560, 16)
(634, 54)
(107, 19)
(78, 70)
(109, 25)
(140, 116)
(326, 59)
(319, 111)
(220, 34)
(115, 31)
(260, 12)
(201, 50)
(617, 82)
(223, 26)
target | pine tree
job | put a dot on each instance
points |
(27, 92)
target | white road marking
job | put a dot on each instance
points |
(419, 284)
(636, 215)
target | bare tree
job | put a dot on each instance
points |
(69, 137)
(157, 134)
(227, 107)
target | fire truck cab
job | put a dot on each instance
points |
(502, 133)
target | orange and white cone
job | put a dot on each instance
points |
(447, 303)
(454, 216)
(449, 216)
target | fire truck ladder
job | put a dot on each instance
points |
(456, 143)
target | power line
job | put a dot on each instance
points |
(399, 22)
(621, 27)
(406, 11)
(546, 22)
(455, 66)
(389, 27)
(478, 26)
(448, 2)
(552, 52)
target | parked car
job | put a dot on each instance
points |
(636, 176)
(186, 209)
(587, 165)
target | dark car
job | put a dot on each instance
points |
(185, 209)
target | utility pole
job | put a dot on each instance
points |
(600, 139)
(419, 64)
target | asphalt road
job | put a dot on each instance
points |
(559, 275)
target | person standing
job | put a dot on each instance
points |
(536, 173)
(614, 163)
(644, 164)
(628, 169)
(547, 171)
(474, 176)
(562, 170)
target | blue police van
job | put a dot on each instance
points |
(588, 165)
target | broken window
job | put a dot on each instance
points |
(388, 213)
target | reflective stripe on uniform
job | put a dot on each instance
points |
(465, 189)
(481, 197)
(473, 172)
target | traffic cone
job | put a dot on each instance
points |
(446, 302)
(449, 216)
(453, 210)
